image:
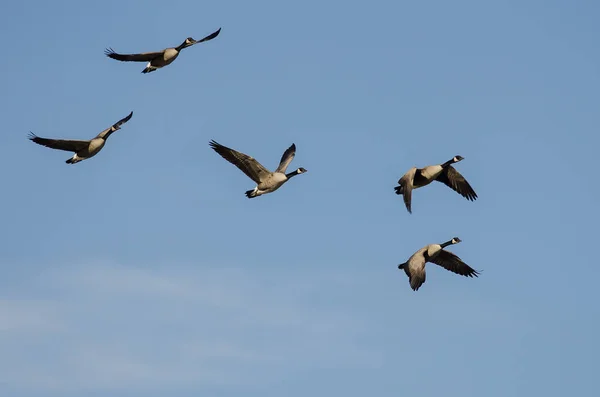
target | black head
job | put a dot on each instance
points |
(458, 158)
(301, 170)
(455, 240)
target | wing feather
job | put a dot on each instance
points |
(406, 187)
(209, 37)
(67, 145)
(143, 57)
(453, 263)
(455, 181)
(287, 158)
(248, 165)
(125, 119)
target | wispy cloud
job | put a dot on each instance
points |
(109, 327)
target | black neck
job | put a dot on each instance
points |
(447, 163)
(447, 243)
(291, 174)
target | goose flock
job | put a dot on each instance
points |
(269, 181)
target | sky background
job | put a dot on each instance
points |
(145, 271)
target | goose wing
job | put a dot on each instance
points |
(455, 181)
(60, 144)
(453, 263)
(416, 269)
(406, 183)
(143, 57)
(287, 158)
(248, 165)
(209, 37)
(119, 123)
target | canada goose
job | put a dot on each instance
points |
(445, 173)
(83, 149)
(267, 181)
(414, 267)
(157, 60)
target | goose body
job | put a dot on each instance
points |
(419, 177)
(266, 181)
(158, 59)
(83, 149)
(414, 267)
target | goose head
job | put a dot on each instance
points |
(455, 240)
(457, 158)
(187, 43)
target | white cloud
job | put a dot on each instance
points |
(110, 327)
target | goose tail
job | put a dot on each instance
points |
(399, 189)
(73, 160)
(149, 68)
(251, 193)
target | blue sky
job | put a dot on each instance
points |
(145, 271)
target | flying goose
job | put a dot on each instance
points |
(414, 267)
(267, 181)
(157, 60)
(445, 173)
(83, 149)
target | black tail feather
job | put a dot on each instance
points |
(250, 194)
(399, 189)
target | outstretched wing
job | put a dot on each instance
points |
(453, 263)
(248, 165)
(209, 37)
(60, 144)
(415, 269)
(143, 57)
(406, 184)
(287, 158)
(119, 123)
(455, 181)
